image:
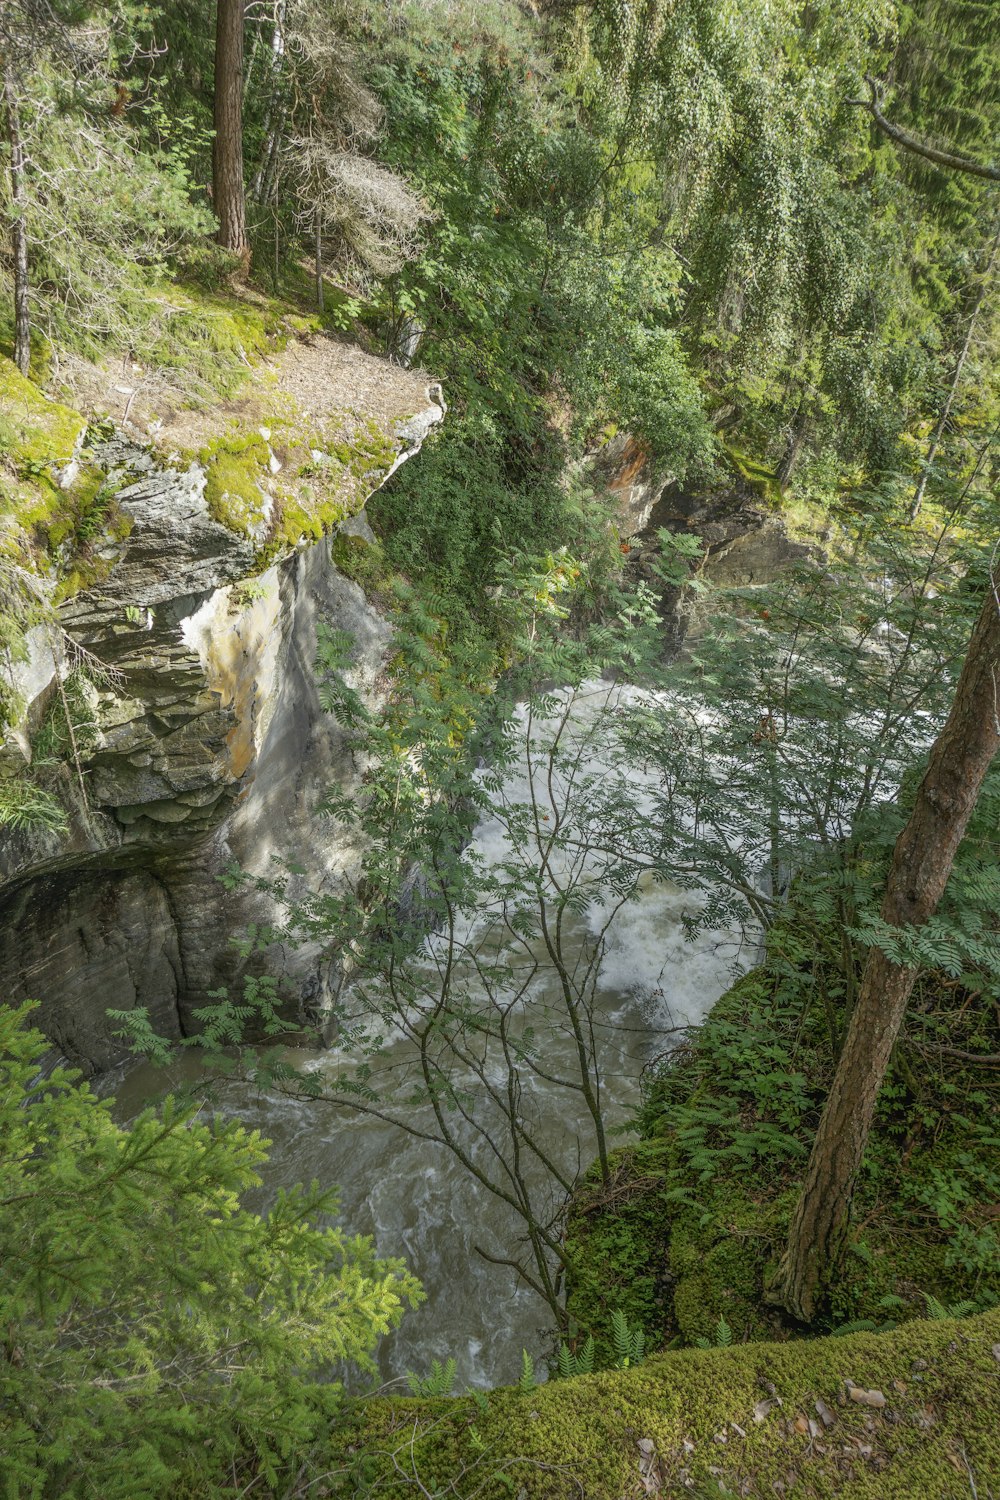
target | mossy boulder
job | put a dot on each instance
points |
(287, 479)
(761, 1419)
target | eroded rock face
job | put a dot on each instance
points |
(742, 546)
(743, 543)
(205, 748)
(106, 942)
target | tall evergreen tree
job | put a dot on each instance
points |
(228, 186)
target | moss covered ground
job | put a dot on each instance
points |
(691, 1226)
(282, 465)
(280, 477)
(758, 1420)
(60, 513)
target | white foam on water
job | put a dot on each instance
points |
(413, 1196)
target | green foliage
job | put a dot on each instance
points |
(629, 1344)
(543, 320)
(526, 1382)
(798, 770)
(936, 1309)
(25, 805)
(440, 1382)
(576, 1361)
(721, 1339)
(161, 1337)
(69, 725)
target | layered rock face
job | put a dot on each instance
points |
(200, 744)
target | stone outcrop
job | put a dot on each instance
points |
(200, 742)
(744, 540)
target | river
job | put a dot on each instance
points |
(413, 1196)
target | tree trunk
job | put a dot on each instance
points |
(921, 864)
(320, 295)
(793, 451)
(274, 116)
(18, 228)
(228, 188)
(959, 368)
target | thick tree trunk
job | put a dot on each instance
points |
(921, 864)
(932, 451)
(228, 188)
(18, 228)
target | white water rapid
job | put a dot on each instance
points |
(414, 1197)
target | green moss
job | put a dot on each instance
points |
(235, 467)
(758, 475)
(217, 338)
(56, 530)
(323, 478)
(366, 564)
(702, 1413)
(36, 434)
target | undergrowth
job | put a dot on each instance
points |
(698, 1209)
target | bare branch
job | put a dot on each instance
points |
(946, 159)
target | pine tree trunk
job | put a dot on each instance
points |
(18, 228)
(921, 864)
(274, 117)
(228, 188)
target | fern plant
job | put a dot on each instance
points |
(629, 1343)
(938, 1310)
(722, 1337)
(576, 1361)
(439, 1382)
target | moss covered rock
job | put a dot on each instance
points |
(758, 1420)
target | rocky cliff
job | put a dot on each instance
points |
(165, 570)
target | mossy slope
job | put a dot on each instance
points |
(697, 1213)
(719, 1422)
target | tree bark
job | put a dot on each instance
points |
(908, 142)
(318, 229)
(921, 863)
(18, 227)
(275, 113)
(959, 368)
(228, 187)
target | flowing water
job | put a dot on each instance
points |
(414, 1197)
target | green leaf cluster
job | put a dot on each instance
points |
(159, 1335)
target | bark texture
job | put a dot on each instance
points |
(228, 187)
(18, 228)
(921, 863)
(908, 142)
